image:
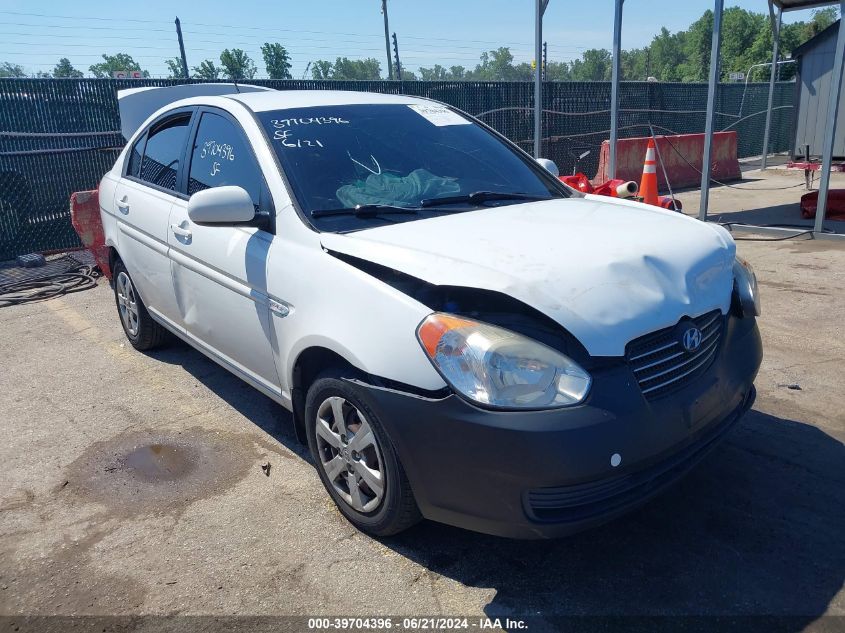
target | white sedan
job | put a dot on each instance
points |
(459, 335)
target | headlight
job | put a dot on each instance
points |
(500, 368)
(745, 287)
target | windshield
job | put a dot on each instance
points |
(395, 161)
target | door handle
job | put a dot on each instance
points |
(178, 230)
(123, 205)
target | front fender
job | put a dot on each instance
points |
(347, 311)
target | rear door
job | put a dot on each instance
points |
(220, 271)
(143, 200)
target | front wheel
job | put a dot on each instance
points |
(356, 460)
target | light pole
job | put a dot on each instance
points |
(387, 40)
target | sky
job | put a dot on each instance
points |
(449, 32)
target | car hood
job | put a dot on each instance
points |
(607, 270)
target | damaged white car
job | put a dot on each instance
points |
(459, 335)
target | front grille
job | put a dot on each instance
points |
(660, 363)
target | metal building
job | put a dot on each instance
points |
(815, 69)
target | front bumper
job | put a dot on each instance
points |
(539, 474)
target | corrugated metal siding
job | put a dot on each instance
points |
(815, 68)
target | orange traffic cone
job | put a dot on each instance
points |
(648, 185)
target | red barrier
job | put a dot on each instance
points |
(630, 153)
(85, 217)
(835, 204)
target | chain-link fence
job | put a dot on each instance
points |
(58, 136)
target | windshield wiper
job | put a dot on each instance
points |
(364, 210)
(480, 196)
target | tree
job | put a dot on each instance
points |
(237, 65)
(206, 70)
(407, 75)
(594, 65)
(558, 71)
(111, 63)
(321, 69)
(360, 69)
(437, 73)
(174, 66)
(276, 60)
(345, 68)
(8, 69)
(457, 72)
(65, 69)
(665, 55)
(497, 65)
(635, 63)
(740, 30)
(822, 18)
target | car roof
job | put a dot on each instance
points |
(283, 99)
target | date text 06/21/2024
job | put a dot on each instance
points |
(415, 623)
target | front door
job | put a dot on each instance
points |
(219, 271)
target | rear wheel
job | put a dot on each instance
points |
(143, 333)
(356, 460)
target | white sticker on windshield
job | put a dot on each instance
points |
(439, 115)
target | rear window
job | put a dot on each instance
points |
(135, 155)
(163, 152)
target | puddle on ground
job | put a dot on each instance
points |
(159, 472)
(160, 462)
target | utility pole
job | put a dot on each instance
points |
(396, 53)
(387, 40)
(545, 58)
(182, 48)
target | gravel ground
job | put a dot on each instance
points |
(756, 528)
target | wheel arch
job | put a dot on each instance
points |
(114, 256)
(309, 364)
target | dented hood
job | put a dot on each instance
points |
(607, 270)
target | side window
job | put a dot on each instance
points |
(134, 168)
(160, 164)
(222, 156)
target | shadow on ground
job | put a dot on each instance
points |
(785, 215)
(755, 529)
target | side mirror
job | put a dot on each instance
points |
(221, 205)
(549, 166)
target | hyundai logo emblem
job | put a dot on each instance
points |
(691, 339)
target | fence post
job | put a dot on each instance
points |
(614, 88)
(776, 22)
(711, 107)
(538, 76)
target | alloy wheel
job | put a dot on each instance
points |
(349, 454)
(127, 303)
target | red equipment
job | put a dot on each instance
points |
(835, 204)
(616, 188)
(85, 217)
(578, 181)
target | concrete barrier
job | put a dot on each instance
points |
(630, 154)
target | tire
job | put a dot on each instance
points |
(333, 448)
(143, 333)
